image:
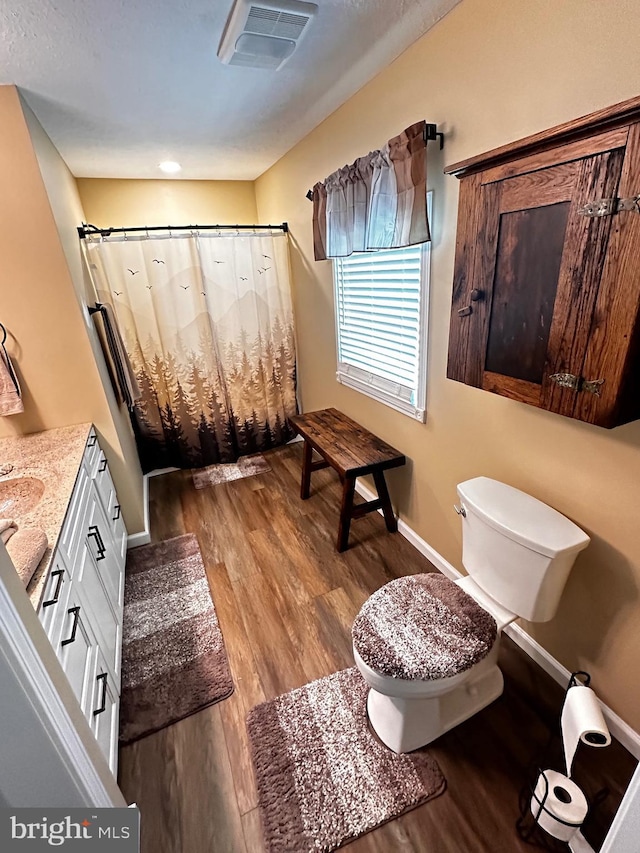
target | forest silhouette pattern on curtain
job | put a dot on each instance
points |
(208, 327)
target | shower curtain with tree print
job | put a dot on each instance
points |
(208, 326)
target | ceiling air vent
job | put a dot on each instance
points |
(264, 35)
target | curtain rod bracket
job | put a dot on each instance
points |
(431, 134)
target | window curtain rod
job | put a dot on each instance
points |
(431, 133)
(88, 230)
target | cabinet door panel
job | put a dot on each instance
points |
(528, 259)
(585, 251)
(95, 601)
(103, 713)
(615, 320)
(463, 364)
(76, 649)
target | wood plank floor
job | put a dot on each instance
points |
(286, 600)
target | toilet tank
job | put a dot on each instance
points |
(516, 548)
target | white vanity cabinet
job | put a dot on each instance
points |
(82, 603)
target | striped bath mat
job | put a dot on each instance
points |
(173, 658)
(323, 777)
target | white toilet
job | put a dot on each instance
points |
(428, 646)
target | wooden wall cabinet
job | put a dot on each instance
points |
(546, 294)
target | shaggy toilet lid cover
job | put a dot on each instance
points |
(422, 627)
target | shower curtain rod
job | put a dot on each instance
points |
(86, 229)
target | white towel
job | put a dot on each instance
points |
(10, 400)
(7, 528)
(26, 549)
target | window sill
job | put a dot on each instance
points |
(381, 396)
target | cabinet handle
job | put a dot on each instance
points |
(103, 703)
(93, 531)
(103, 465)
(76, 617)
(117, 515)
(56, 594)
(92, 441)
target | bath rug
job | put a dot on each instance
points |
(246, 466)
(323, 777)
(174, 661)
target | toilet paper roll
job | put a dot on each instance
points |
(582, 720)
(564, 808)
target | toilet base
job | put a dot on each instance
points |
(406, 724)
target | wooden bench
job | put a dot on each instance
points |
(352, 451)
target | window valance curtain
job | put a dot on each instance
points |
(378, 202)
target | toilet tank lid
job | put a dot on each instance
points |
(522, 517)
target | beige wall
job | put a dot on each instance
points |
(40, 306)
(120, 203)
(490, 72)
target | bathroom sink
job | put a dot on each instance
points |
(19, 495)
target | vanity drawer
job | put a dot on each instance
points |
(103, 482)
(72, 533)
(103, 712)
(91, 453)
(100, 542)
(55, 597)
(76, 647)
(118, 530)
(89, 587)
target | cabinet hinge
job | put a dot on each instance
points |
(577, 383)
(609, 206)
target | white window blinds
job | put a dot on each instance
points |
(381, 324)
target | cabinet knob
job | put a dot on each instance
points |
(476, 294)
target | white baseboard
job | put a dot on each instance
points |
(622, 732)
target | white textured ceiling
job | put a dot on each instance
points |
(120, 85)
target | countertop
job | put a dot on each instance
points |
(53, 456)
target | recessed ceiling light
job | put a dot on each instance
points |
(170, 166)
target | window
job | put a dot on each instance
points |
(381, 324)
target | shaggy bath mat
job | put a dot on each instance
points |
(173, 658)
(323, 778)
(246, 466)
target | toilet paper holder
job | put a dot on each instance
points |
(536, 793)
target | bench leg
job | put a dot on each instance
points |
(346, 509)
(383, 494)
(306, 470)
